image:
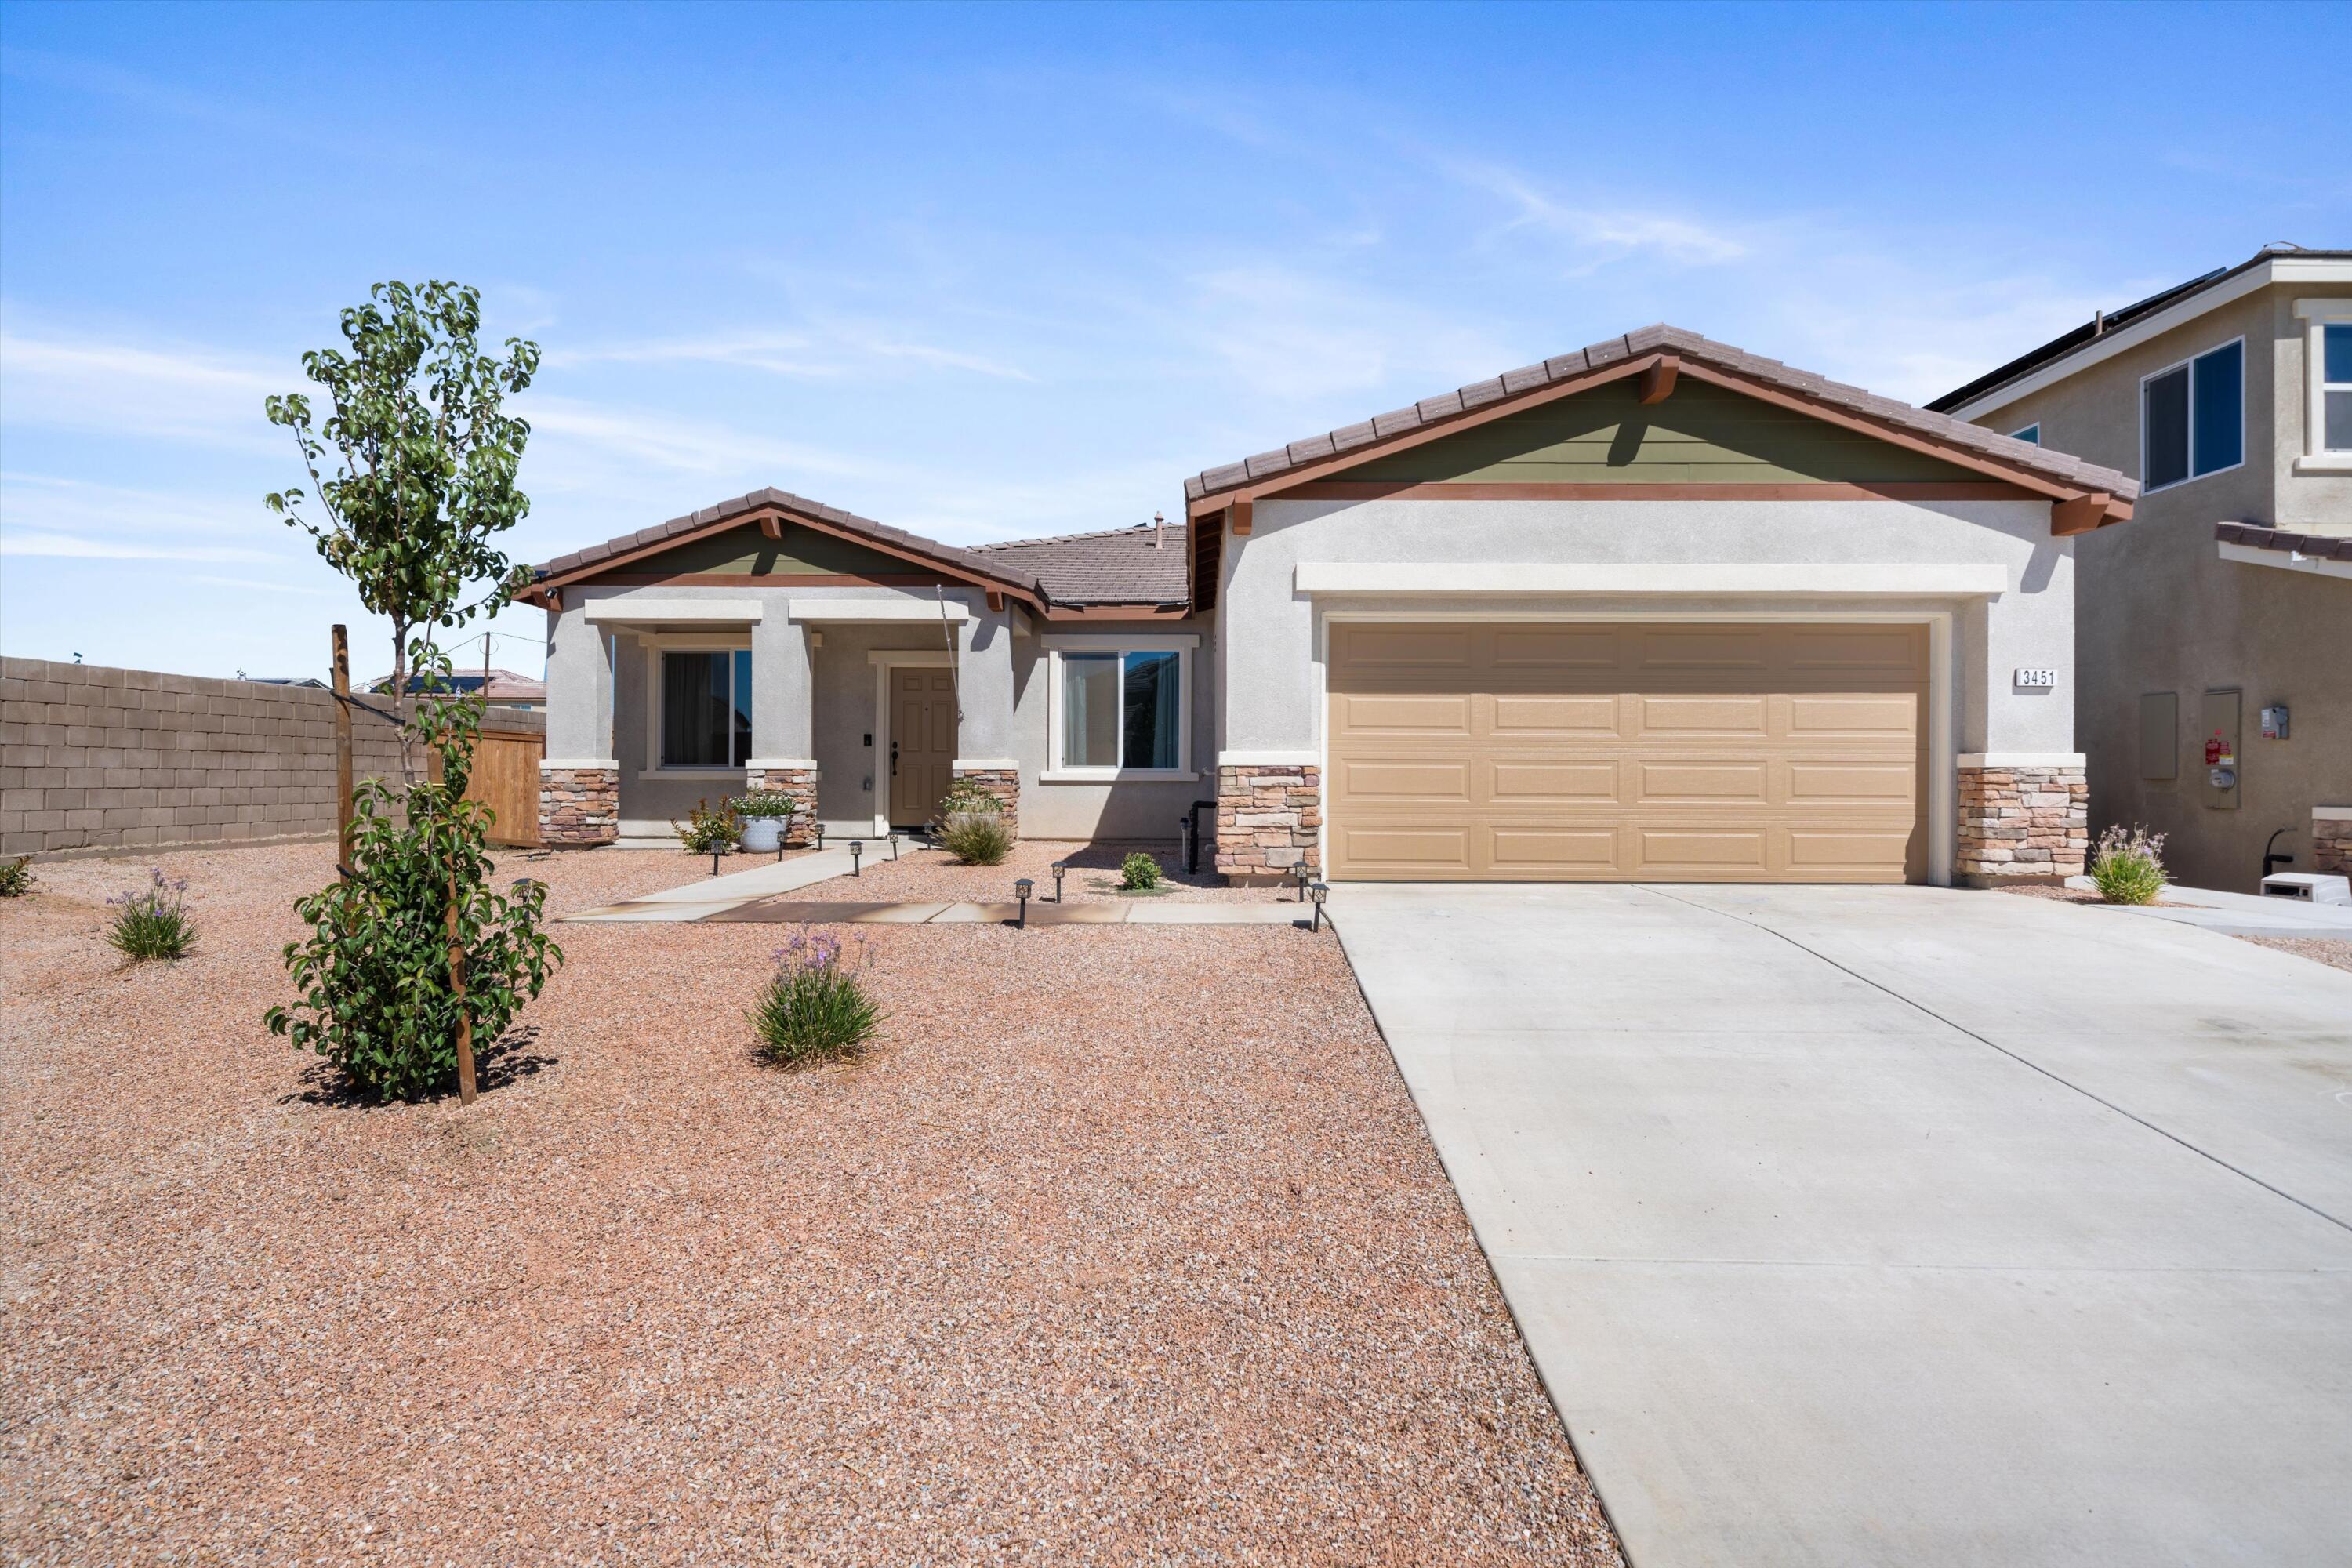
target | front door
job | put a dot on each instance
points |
(922, 741)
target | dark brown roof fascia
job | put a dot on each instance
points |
(2055, 474)
(616, 552)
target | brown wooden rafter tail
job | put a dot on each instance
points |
(772, 526)
(2082, 513)
(1244, 513)
(1658, 382)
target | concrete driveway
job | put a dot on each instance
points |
(1897, 1225)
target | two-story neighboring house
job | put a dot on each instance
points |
(2213, 637)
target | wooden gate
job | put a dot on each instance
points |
(506, 779)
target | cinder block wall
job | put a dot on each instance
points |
(96, 760)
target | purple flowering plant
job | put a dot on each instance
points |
(152, 922)
(816, 1007)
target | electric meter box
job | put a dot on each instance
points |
(2275, 722)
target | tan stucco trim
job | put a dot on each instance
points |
(1957, 581)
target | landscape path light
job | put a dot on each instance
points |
(856, 848)
(1059, 866)
(1301, 873)
(894, 836)
(1318, 892)
(1021, 890)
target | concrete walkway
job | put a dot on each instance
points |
(2235, 914)
(757, 895)
(1900, 1225)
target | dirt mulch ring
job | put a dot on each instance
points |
(2335, 952)
(1126, 1246)
(926, 876)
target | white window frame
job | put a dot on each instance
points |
(2030, 433)
(655, 646)
(2318, 315)
(2245, 378)
(1182, 644)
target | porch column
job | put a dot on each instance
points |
(784, 717)
(985, 749)
(579, 778)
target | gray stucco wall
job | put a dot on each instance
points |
(1269, 647)
(812, 695)
(2160, 611)
(1130, 809)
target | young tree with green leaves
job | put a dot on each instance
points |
(411, 956)
(424, 462)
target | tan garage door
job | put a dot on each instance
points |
(1550, 751)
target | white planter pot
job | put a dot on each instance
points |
(764, 835)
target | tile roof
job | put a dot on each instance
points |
(1111, 566)
(949, 556)
(2057, 466)
(2315, 546)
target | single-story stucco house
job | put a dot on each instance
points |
(1660, 610)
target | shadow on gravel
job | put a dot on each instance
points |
(509, 1060)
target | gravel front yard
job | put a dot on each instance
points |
(1126, 1246)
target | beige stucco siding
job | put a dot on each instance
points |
(2158, 610)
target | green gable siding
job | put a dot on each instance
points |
(1703, 434)
(747, 552)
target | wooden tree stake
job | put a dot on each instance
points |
(342, 667)
(458, 990)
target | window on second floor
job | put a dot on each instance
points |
(2030, 433)
(2192, 417)
(2336, 386)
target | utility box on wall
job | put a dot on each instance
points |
(2218, 759)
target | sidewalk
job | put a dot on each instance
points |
(2235, 914)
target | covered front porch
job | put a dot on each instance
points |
(865, 704)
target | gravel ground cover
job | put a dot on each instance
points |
(1126, 1246)
(2335, 952)
(922, 876)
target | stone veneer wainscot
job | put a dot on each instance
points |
(795, 780)
(1004, 784)
(578, 805)
(1268, 819)
(2331, 840)
(2022, 823)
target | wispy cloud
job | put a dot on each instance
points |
(830, 353)
(158, 390)
(1597, 233)
(76, 546)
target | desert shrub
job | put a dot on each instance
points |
(1139, 873)
(815, 1004)
(152, 922)
(977, 838)
(763, 802)
(965, 796)
(376, 997)
(705, 829)
(2129, 864)
(16, 877)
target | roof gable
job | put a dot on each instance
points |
(775, 509)
(1701, 435)
(1673, 356)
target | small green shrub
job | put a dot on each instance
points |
(16, 877)
(977, 838)
(153, 922)
(2129, 864)
(763, 802)
(816, 1007)
(1139, 873)
(705, 830)
(965, 796)
(376, 998)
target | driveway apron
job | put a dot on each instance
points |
(1899, 1224)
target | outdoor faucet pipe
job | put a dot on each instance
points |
(2270, 861)
(1191, 822)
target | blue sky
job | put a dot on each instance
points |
(988, 273)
